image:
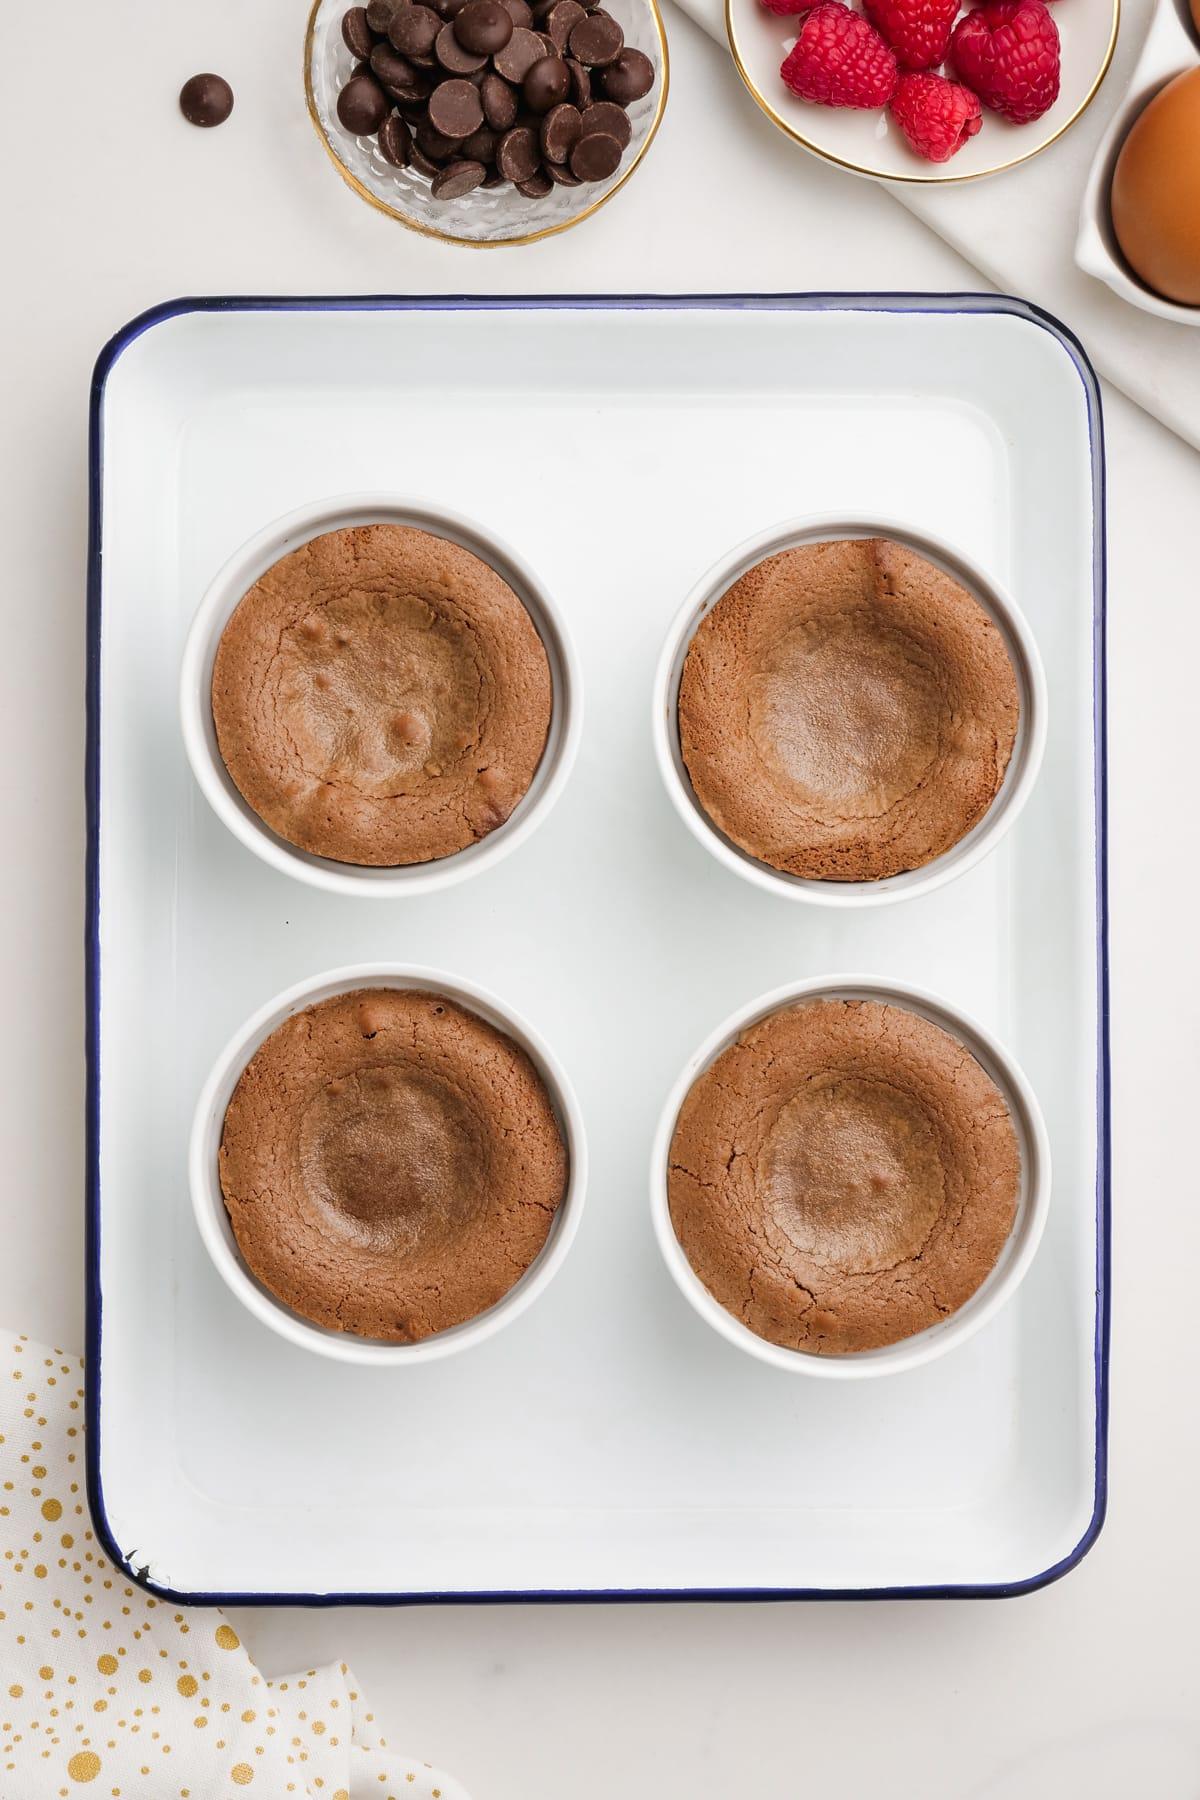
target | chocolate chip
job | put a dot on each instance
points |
(362, 106)
(356, 33)
(499, 102)
(206, 100)
(628, 78)
(561, 21)
(495, 179)
(537, 187)
(560, 173)
(395, 141)
(422, 162)
(414, 30)
(483, 25)
(455, 109)
(597, 40)
(480, 146)
(453, 57)
(518, 56)
(607, 117)
(562, 128)
(595, 157)
(517, 155)
(394, 73)
(547, 84)
(379, 14)
(434, 144)
(456, 179)
(581, 83)
(519, 12)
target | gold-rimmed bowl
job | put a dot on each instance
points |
(868, 143)
(488, 215)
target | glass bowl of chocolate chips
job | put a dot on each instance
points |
(486, 121)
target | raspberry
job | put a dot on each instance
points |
(936, 116)
(840, 60)
(1007, 52)
(918, 30)
(787, 7)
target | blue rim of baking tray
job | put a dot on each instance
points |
(820, 302)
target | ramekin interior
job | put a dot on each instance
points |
(208, 1203)
(240, 573)
(1019, 777)
(1014, 1260)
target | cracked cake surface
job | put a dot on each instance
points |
(847, 711)
(391, 1163)
(381, 696)
(843, 1175)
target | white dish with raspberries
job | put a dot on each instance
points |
(923, 90)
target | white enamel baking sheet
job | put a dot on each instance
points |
(608, 1441)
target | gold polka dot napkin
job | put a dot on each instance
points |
(107, 1692)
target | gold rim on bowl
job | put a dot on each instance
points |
(450, 237)
(918, 178)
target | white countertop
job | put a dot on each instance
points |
(1088, 1688)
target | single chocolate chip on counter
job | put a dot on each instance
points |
(206, 100)
(483, 25)
(413, 30)
(628, 78)
(606, 116)
(581, 83)
(562, 128)
(379, 14)
(356, 33)
(517, 154)
(537, 187)
(362, 106)
(453, 57)
(455, 109)
(395, 141)
(518, 56)
(456, 179)
(595, 157)
(547, 84)
(499, 102)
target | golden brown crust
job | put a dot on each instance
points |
(381, 697)
(391, 1164)
(847, 711)
(843, 1176)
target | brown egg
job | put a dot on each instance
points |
(1156, 192)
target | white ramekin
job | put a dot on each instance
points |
(1020, 775)
(1032, 1202)
(208, 1203)
(1170, 49)
(199, 733)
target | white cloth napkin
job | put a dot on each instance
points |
(105, 1691)
(1019, 230)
